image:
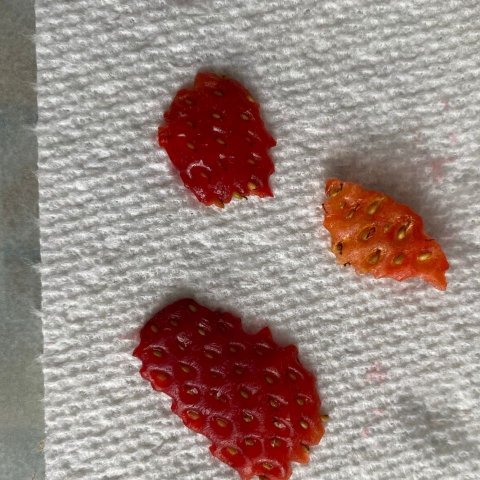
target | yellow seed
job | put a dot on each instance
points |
(181, 346)
(247, 418)
(267, 466)
(402, 233)
(250, 99)
(274, 403)
(350, 214)
(154, 328)
(275, 442)
(251, 161)
(218, 93)
(202, 331)
(221, 422)
(173, 322)
(190, 146)
(208, 355)
(192, 391)
(158, 353)
(325, 418)
(374, 258)
(220, 141)
(161, 376)
(292, 376)
(232, 450)
(193, 414)
(185, 368)
(215, 115)
(373, 207)
(249, 442)
(251, 186)
(245, 116)
(300, 401)
(398, 260)
(424, 256)
(192, 308)
(236, 195)
(269, 379)
(278, 424)
(335, 190)
(367, 233)
(244, 394)
(304, 424)
(305, 448)
(387, 227)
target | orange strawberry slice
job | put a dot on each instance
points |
(378, 236)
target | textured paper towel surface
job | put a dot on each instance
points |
(386, 93)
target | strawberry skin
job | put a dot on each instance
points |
(216, 139)
(251, 398)
(377, 235)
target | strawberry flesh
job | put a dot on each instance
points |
(251, 398)
(379, 236)
(216, 139)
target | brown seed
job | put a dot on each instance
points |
(186, 368)
(373, 207)
(249, 442)
(325, 418)
(292, 376)
(269, 379)
(188, 101)
(232, 450)
(236, 195)
(215, 115)
(251, 186)
(398, 259)
(305, 448)
(304, 424)
(173, 323)
(424, 256)
(339, 248)
(247, 417)
(191, 146)
(158, 353)
(202, 331)
(300, 401)
(275, 442)
(233, 349)
(267, 466)
(387, 227)
(218, 93)
(245, 116)
(251, 161)
(193, 414)
(238, 370)
(154, 329)
(192, 391)
(367, 233)
(161, 376)
(192, 308)
(350, 214)
(208, 355)
(250, 99)
(181, 346)
(218, 203)
(220, 141)
(374, 257)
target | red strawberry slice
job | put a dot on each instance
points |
(216, 139)
(377, 235)
(250, 397)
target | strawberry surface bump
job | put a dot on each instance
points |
(251, 398)
(377, 235)
(216, 139)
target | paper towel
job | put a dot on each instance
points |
(385, 93)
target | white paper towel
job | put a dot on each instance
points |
(382, 92)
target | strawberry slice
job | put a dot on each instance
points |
(250, 397)
(377, 235)
(216, 139)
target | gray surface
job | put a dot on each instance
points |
(21, 382)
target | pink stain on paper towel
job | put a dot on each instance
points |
(437, 167)
(376, 373)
